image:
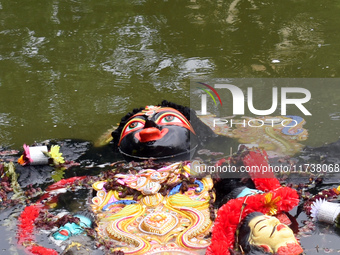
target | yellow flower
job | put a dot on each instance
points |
(56, 155)
(21, 160)
(271, 203)
(338, 188)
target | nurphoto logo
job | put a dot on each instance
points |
(239, 99)
(243, 100)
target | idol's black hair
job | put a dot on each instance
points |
(242, 236)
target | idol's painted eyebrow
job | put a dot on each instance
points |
(258, 222)
(262, 227)
(138, 115)
(273, 231)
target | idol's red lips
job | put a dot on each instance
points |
(151, 134)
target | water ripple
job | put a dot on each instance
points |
(335, 116)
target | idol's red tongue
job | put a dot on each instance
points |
(151, 134)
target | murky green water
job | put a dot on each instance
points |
(71, 69)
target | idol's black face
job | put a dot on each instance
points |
(157, 132)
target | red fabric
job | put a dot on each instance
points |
(64, 182)
(229, 215)
(283, 218)
(220, 162)
(262, 177)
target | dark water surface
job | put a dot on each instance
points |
(73, 68)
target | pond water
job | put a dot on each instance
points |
(73, 68)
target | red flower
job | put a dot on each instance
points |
(26, 223)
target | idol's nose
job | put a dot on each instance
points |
(149, 123)
(149, 134)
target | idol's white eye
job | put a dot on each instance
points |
(134, 125)
(169, 119)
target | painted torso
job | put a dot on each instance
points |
(154, 222)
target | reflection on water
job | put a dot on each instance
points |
(334, 116)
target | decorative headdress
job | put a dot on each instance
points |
(274, 200)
